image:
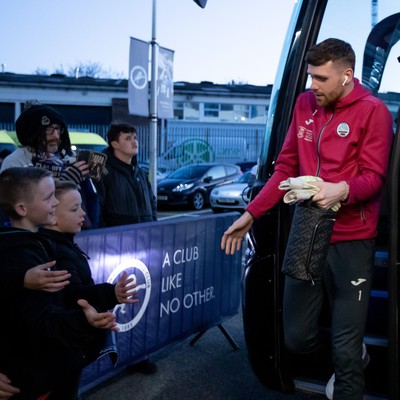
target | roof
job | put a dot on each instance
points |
(59, 81)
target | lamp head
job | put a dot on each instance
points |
(201, 3)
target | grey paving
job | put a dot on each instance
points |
(209, 370)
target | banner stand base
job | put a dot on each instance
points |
(229, 338)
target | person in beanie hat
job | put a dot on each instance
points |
(43, 133)
(33, 124)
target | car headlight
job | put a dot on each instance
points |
(182, 187)
(215, 192)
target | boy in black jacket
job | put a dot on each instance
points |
(126, 196)
(42, 345)
(69, 218)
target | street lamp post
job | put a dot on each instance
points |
(153, 104)
(153, 99)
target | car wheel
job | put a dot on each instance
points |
(198, 201)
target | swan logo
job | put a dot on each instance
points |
(128, 315)
(138, 77)
(343, 129)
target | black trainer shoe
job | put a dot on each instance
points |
(330, 385)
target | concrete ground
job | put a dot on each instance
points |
(209, 370)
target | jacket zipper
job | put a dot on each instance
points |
(319, 143)
(362, 213)
(310, 249)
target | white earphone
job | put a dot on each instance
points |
(345, 81)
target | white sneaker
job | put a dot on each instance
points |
(329, 387)
(331, 383)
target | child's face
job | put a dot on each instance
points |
(69, 215)
(40, 209)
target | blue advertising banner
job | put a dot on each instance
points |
(138, 82)
(165, 94)
(185, 283)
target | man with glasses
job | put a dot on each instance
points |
(43, 133)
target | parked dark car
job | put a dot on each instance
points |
(161, 174)
(192, 184)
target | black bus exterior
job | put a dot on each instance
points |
(373, 30)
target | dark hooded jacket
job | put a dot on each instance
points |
(125, 193)
(42, 342)
(72, 259)
(31, 132)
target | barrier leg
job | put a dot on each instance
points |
(197, 337)
(228, 337)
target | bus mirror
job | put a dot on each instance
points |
(379, 43)
(201, 3)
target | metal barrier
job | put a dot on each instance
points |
(186, 283)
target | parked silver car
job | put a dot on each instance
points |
(192, 184)
(234, 196)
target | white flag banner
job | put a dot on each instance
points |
(138, 82)
(165, 92)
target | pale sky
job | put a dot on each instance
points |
(228, 40)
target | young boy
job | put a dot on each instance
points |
(42, 343)
(68, 221)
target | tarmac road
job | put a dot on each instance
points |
(209, 370)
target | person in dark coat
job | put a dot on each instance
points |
(125, 192)
(69, 218)
(43, 134)
(126, 196)
(43, 346)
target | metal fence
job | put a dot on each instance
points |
(181, 143)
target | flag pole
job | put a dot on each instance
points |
(153, 105)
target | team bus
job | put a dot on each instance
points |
(373, 29)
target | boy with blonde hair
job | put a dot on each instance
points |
(42, 347)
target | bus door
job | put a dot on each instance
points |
(373, 30)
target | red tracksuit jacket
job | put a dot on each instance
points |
(350, 142)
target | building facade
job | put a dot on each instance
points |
(211, 121)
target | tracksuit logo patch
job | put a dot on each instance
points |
(343, 129)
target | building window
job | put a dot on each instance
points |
(211, 110)
(258, 113)
(242, 113)
(191, 111)
(216, 112)
(226, 113)
(178, 110)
